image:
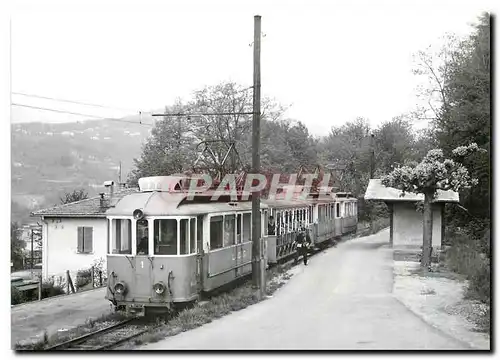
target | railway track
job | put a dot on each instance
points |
(106, 338)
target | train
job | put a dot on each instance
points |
(166, 249)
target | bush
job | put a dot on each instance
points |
(49, 289)
(16, 296)
(83, 278)
(465, 257)
(479, 282)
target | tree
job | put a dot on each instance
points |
(394, 144)
(349, 147)
(433, 173)
(467, 119)
(173, 145)
(170, 149)
(76, 195)
(16, 246)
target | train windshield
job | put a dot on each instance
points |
(121, 239)
(165, 237)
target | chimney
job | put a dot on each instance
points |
(110, 185)
(102, 202)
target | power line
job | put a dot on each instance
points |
(72, 101)
(79, 114)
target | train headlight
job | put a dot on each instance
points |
(159, 288)
(120, 288)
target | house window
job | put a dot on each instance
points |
(85, 239)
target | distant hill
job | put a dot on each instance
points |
(50, 159)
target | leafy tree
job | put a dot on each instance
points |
(349, 147)
(394, 144)
(170, 149)
(16, 246)
(173, 145)
(467, 118)
(76, 195)
(433, 173)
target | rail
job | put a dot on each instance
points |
(84, 342)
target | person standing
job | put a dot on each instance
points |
(303, 241)
(271, 226)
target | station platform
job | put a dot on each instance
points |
(30, 320)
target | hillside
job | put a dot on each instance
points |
(49, 159)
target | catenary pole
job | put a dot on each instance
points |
(257, 270)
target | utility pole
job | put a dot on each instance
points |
(31, 252)
(257, 263)
(120, 176)
(372, 156)
(372, 170)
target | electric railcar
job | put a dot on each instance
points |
(165, 249)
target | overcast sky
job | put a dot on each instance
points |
(331, 61)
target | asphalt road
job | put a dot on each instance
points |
(341, 301)
(31, 319)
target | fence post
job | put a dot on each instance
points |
(40, 285)
(92, 276)
(69, 282)
(100, 278)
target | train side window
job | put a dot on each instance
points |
(192, 234)
(184, 238)
(229, 230)
(199, 229)
(247, 227)
(216, 232)
(165, 236)
(121, 236)
(337, 205)
(265, 223)
(238, 229)
(142, 237)
(278, 223)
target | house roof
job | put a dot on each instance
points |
(84, 208)
(377, 191)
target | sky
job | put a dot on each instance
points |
(329, 62)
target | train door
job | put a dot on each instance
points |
(239, 248)
(144, 247)
(200, 252)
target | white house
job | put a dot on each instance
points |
(74, 235)
(406, 223)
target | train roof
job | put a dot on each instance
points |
(159, 203)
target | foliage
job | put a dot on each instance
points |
(76, 195)
(177, 143)
(16, 296)
(467, 117)
(83, 278)
(466, 256)
(16, 246)
(433, 173)
(49, 289)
